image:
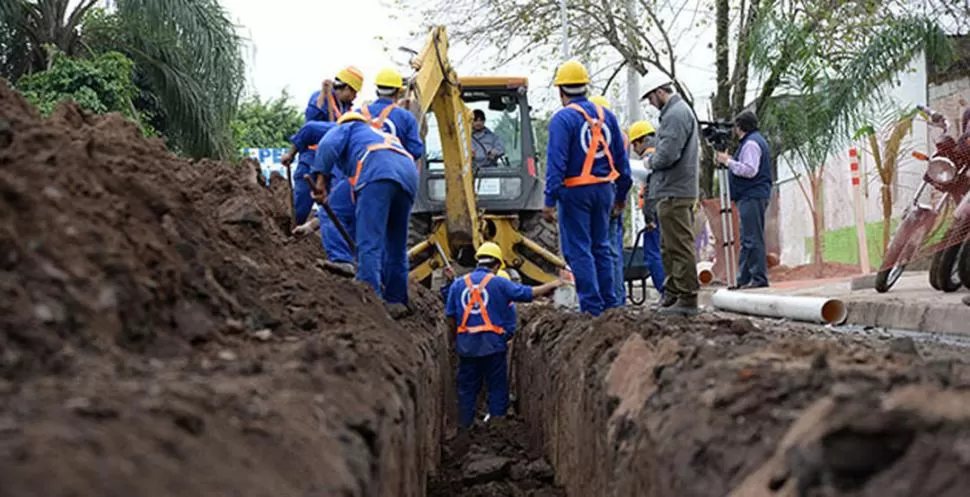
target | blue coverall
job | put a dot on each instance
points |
(399, 122)
(308, 136)
(616, 243)
(584, 211)
(384, 194)
(314, 113)
(482, 352)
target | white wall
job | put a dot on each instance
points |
(796, 219)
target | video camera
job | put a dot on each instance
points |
(717, 133)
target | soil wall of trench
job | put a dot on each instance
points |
(631, 404)
(162, 334)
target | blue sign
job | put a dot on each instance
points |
(270, 160)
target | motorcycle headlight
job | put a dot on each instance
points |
(941, 170)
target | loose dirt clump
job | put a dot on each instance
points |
(813, 271)
(494, 461)
(162, 334)
(632, 404)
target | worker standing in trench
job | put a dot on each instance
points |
(304, 142)
(585, 156)
(478, 309)
(383, 182)
(643, 138)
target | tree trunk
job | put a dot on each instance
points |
(818, 221)
(722, 99)
(887, 215)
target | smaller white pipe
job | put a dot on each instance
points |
(810, 309)
(705, 272)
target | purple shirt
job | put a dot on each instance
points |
(748, 160)
(966, 119)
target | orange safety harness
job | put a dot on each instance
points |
(390, 143)
(475, 298)
(335, 113)
(596, 140)
(379, 122)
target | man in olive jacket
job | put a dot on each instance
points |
(674, 168)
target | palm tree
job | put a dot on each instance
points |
(187, 58)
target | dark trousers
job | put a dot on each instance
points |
(472, 371)
(752, 263)
(383, 210)
(677, 246)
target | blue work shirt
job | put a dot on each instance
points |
(309, 134)
(497, 294)
(346, 144)
(314, 113)
(400, 123)
(565, 153)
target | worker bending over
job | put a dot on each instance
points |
(384, 114)
(478, 311)
(305, 143)
(383, 181)
(643, 139)
(336, 97)
(616, 223)
(585, 156)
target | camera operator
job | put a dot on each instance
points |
(750, 190)
(674, 167)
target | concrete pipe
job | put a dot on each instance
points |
(810, 309)
(705, 273)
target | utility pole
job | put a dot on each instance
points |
(632, 76)
(565, 29)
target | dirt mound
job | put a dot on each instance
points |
(813, 271)
(632, 404)
(160, 333)
(494, 461)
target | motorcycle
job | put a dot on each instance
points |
(947, 171)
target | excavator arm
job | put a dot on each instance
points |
(435, 88)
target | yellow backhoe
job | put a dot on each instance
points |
(459, 206)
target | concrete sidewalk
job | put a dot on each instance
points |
(910, 305)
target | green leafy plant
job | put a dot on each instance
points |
(266, 123)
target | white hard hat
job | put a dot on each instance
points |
(652, 81)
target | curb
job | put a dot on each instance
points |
(930, 318)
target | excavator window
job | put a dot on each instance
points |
(503, 117)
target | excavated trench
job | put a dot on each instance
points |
(162, 334)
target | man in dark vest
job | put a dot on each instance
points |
(750, 190)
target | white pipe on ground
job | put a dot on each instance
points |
(705, 272)
(811, 309)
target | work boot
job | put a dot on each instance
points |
(685, 306)
(666, 301)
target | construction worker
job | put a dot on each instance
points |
(305, 143)
(616, 223)
(330, 105)
(643, 139)
(384, 113)
(477, 311)
(585, 156)
(674, 174)
(383, 182)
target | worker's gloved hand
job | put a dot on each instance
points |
(549, 214)
(286, 158)
(618, 208)
(303, 229)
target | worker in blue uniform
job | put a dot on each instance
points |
(304, 142)
(585, 156)
(476, 309)
(384, 115)
(338, 100)
(643, 138)
(616, 223)
(383, 182)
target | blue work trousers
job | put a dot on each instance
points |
(652, 258)
(584, 229)
(752, 262)
(302, 201)
(333, 243)
(472, 371)
(616, 240)
(383, 210)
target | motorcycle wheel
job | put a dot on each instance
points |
(964, 265)
(888, 277)
(944, 269)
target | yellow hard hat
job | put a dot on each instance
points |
(352, 76)
(351, 116)
(571, 73)
(490, 249)
(601, 101)
(503, 274)
(640, 129)
(389, 78)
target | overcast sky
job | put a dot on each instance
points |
(295, 44)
